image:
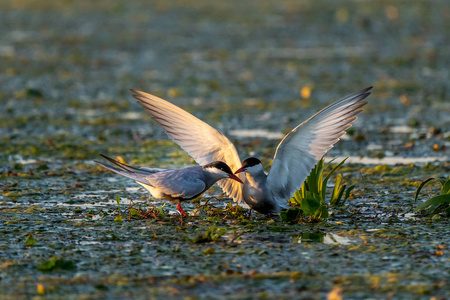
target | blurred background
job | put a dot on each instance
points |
(253, 69)
(66, 67)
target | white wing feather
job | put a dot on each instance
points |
(300, 150)
(201, 141)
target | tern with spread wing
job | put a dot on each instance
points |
(174, 185)
(294, 158)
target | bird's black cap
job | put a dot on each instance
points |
(219, 165)
(250, 162)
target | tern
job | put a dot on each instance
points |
(175, 185)
(295, 156)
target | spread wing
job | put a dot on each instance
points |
(204, 143)
(300, 149)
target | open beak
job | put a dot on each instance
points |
(240, 170)
(232, 176)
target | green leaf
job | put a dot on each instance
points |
(30, 241)
(310, 198)
(310, 204)
(35, 93)
(441, 199)
(325, 181)
(296, 200)
(314, 180)
(291, 215)
(337, 191)
(339, 194)
(18, 166)
(321, 212)
(347, 193)
(312, 237)
(134, 212)
(56, 263)
(161, 211)
(421, 186)
(211, 235)
(319, 177)
(118, 203)
(446, 187)
(118, 219)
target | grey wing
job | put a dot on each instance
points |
(178, 183)
(300, 149)
(201, 141)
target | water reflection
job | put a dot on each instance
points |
(325, 238)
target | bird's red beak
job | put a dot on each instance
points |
(240, 170)
(232, 176)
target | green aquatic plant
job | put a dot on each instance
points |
(119, 217)
(161, 211)
(211, 235)
(30, 241)
(143, 210)
(56, 263)
(118, 203)
(438, 203)
(309, 200)
(338, 191)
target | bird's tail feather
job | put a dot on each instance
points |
(126, 173)
(128, 168)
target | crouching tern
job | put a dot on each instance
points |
(294, 158)
(174, 185)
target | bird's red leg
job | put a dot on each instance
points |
(181, 210)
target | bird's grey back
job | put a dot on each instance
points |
(180, 175)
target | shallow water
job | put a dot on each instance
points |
(66, 70)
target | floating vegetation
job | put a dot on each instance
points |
(437, 204)
(55, 264)
(211, 235)
(30, 241)
(64, 99)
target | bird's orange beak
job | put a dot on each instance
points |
(232, 176)
(240, 170)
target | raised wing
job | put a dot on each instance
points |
(300, 149)
(204, 143)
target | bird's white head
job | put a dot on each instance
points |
(220, 170)
(251, 165)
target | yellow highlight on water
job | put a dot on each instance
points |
(305, 92)
(40, 289)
